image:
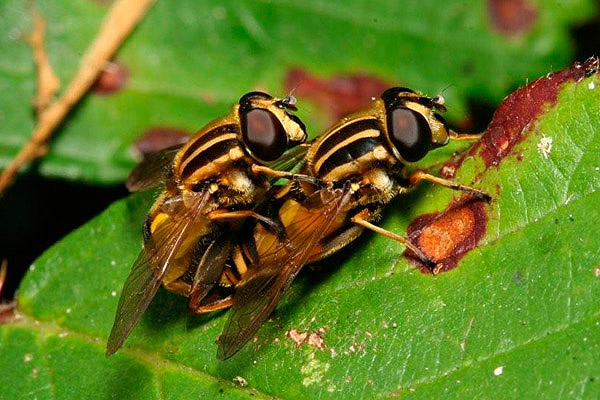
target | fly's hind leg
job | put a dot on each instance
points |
(178, 287)
(362, 219)
(337, 242)
(419, 176)
(220, 304)
(209, 270)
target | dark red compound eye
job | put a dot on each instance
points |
(410, 133)
(263, 134)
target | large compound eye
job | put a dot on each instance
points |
(409, 132)
(263, 134)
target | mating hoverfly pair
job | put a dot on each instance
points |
(194, 242)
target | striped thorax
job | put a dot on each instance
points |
(258, 130)
(399, 128)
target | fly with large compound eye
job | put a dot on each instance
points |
(211, 184)
(363, 161)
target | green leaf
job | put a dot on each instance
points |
(518, 317)
(189, 61)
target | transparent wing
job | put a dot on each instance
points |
(277, 265)
(150, 267)
(152, 171)
(291, 161)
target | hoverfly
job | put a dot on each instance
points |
(210, 183)
(362, 161)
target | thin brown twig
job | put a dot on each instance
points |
(48, 83)
(120, 20)
(7, 310)
(3, 269)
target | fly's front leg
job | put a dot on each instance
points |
(419, 176)
(464, 136)
(261, 169)
(362, 219)
(226, 215)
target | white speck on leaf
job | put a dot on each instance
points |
(28, 357)
(591, 85)
(498, 370)
(448, 170)
(68, 311)
(545, 146)
(113, 293)
(238, 380)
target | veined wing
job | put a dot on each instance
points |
(153, 170)
(291, 161)
(150, 267)
(258, 294)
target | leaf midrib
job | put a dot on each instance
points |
(154, 361)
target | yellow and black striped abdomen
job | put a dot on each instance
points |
(208, 153)
(346, 149)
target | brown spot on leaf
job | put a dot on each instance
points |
(512, 17)
(519, 111)
(313, 339)
(112, 79)
(158, 138)
(338, 95)
(297, 336)
(447, 236)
